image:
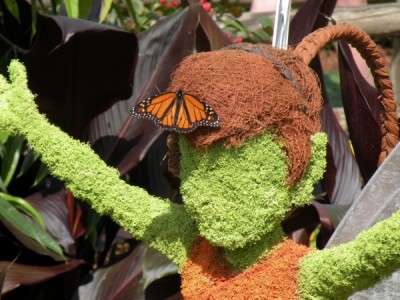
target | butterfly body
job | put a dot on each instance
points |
(177, 112)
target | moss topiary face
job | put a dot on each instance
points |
(240, 194)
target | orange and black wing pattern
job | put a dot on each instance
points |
(177, 112)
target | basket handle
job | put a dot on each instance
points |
(309, 47)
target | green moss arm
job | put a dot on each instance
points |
(338, 272)
(163, 225)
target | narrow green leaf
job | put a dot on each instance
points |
(92, 220)
(12, 7)
(34, 20)
(3, 137)
(133, 15)
(84, 8)
(3, 140)
(105, 8)
(55, 5)
(72, 7)
(28, 232)
(11, 159)
(25, 207)
(266, 22)
(2, 187)
(28, 160)
(41, 174)
(138, 6)
(236, 25)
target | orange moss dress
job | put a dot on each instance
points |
(206, 275)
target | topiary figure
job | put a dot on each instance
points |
(237, 181)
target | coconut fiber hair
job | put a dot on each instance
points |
(254, 88)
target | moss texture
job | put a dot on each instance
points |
(339, 272)
(239, 196)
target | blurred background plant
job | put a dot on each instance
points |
(89, 62)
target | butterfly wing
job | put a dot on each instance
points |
(195, 112)
(160, 109)
(177, 112)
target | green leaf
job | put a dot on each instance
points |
(11, 159)
(24, 207)
(34, 19)
(105, 8)
(29, 233)
(55, 5)
(92, 220)
(3, 140)
(84, 8)
(133, 13)
(266, 22)
(236, 25)
(138, 6)
(2, 187)
(42, 173)
(72, 7)
(12, 7)
(3, 137)
(28, 160)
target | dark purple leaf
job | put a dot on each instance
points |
(330, 215)
(28, 275)
(53, 209)
(119, 279)
(345, 174)
(300, 217)
(79, 69)
(310, 16)
(3, 273)
(361, 105)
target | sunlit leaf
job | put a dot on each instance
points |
(105, 8)
(3, 136)
(25, 207)
(12, 7)
(72, 8)
(11, 158)
(85, 8)
(28, 232)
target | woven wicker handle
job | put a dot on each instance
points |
(309, 47)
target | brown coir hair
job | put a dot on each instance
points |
(254, 88)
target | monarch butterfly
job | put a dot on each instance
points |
(177, 112)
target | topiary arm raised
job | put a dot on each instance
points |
(338, 272)
(163, 225)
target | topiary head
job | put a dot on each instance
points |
(238, 181)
